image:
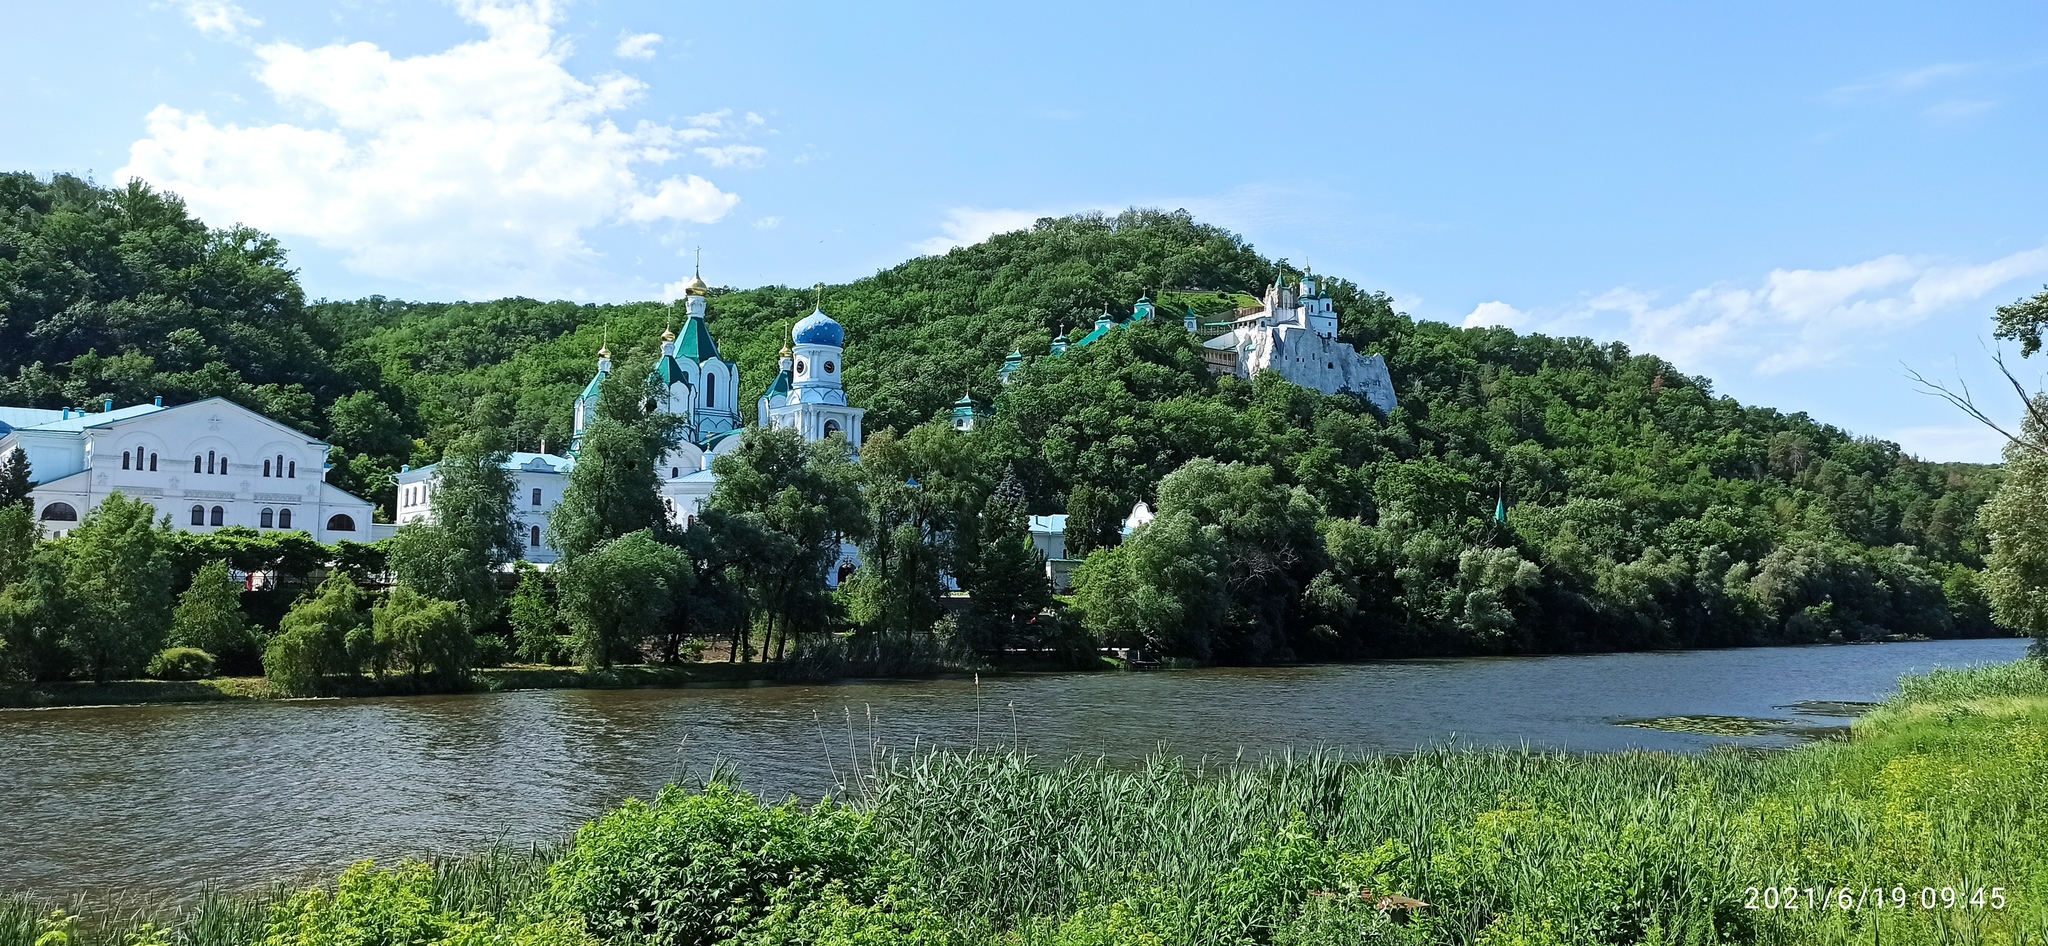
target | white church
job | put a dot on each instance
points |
(206, 465)
(701, 387)
(1292, 331)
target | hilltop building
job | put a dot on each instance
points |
(1292, 331)
(245, 469)
(699, 386)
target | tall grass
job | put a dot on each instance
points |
(2024, 678)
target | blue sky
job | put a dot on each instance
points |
(1801, 201)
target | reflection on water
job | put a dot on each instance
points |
(171, 798)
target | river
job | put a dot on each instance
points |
(168, 799)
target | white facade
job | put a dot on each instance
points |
(207, 465)
(538, 480)
(1295, 334)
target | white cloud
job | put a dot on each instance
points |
(1488, 314)
(1904, 81)
(1971, 443)
(637, 46)
(725, 156)
(220, 18)
(476, 169)
(1958, 110)
(1794, 318)
(767, 223)
(966, 226)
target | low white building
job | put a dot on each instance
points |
(207, 465)
(538, 480)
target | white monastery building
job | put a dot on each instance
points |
(1295, 333)
(207, 465)
(701, 387)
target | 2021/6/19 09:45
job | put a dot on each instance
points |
(1874, 898)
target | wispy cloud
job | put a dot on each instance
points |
(966, 226)
(725, 156)
(637, 46)
(1792, 318)
(1957, 110)
(218, 18)
(1904, 81)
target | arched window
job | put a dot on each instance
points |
(209, 461)
(536, 495)
(268, 518)
(199, 515)
(535, 543)
(219, 517)
(674, 472)
(710, 390)
(195, 463)
(831, 427)
(284, 518)
(223, 465)
(292, 470)
(152, 463)
(124, 459)
(59, 512)
(266, 468)
(339, 523)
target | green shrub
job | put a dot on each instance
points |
(800, 916)
(398, 907)
(698, 867)
(181, 663)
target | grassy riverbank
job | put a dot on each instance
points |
(1940, 790)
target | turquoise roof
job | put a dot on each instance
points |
(1103, 324)
(80, 421)
(520, 460)
(778, 386)
(696, 343)
(590, 390)
(668, 371)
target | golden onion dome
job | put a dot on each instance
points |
(696, 287)
(604, 353)
(668, 334)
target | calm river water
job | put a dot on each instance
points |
(172, 798)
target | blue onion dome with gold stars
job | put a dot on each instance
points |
(818, 329)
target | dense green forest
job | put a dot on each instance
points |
(1642, 509)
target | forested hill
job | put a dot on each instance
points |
(1644, 509)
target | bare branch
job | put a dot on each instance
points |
(1964, 401)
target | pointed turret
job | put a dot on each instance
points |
(586, 402)
(965, 413)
